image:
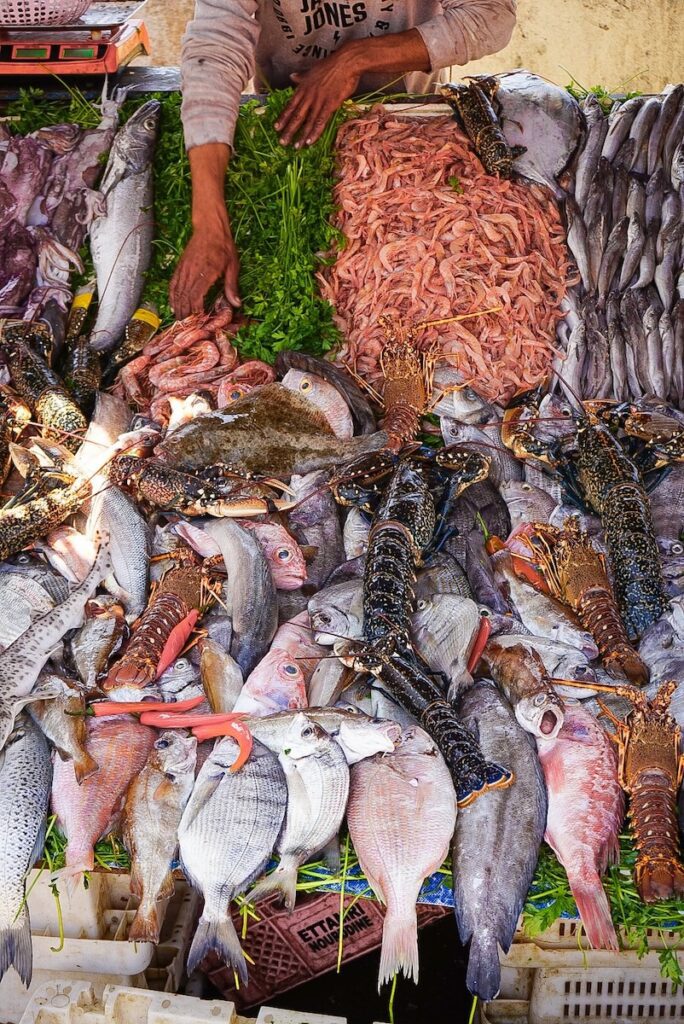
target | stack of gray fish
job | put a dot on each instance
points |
(624, 328)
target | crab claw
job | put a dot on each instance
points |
(234, 728)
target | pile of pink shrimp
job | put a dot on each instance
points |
(429, 236)
(192, 355)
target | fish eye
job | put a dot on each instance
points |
(308, 731)
(539, 700)
(565, 411)
(291, 670)
(422, 604)
(323, 618)
(23, 559)
(484, 613)
(305, 385)
(284, 554)
(181, 664)
(234, 395)
(162, 744)
(677, 548)
(525, 487)
(149, 123)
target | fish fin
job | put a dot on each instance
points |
(221, 938)
(167, 888)
(16, 948)
(163, 790)
(399, 946)
(331, 854)
(594, 910)
(283, 880)
(84, 767)
(145, 925)
(484, 970)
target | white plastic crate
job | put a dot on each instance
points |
(96, 948)
(569, 933)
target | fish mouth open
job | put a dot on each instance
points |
(549, 723)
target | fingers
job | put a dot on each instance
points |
(293, 116)
(316, 122)
(230, 284)
(189, 287)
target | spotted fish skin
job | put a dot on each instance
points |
(25, 780)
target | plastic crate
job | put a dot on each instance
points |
(554, 986)
(96, 947)
(289, 949)
(569, 933)
(41, 12)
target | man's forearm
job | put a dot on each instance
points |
(208, 165)
(398, 53)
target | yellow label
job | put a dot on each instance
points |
(82, 301)
(147, 317)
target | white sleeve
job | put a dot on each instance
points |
(467, 30)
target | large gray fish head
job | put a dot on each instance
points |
(175, 752)
(134, 144)
(458, 400)
(361, 736)
(304, 738)
(525, 502)
(542, 715)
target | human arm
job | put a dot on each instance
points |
(465, 30)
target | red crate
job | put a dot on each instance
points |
(289, 949)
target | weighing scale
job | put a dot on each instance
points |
(101, 41)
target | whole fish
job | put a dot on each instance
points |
(561, 661)
(636, 198)
(401, 816)
(21, 663)
(249, 592)
(444, 628)
(652, 215)
(668, 265)
(30, 567)
(674, 136)
(88, 811)
(622, 368)
(570, 370)
(490, 890)
(636, 239)
(503, 468)
(587, 162)
(542, 615)
(315, 522)
(670, 221)
(635, 341)
(586, 809)
(359, 735)
(578, 242)
(317, 777)
(641, 131)
(355, 533)
(226, 835)
(677, 369)
(277, 683)
(121, 239)
(154, 806)
(621, 180)
(677, 167)
(619, 125)
(482, 577)
(325, 397)
(667, 508)
(221, 677)
(271, 430)
(668, 111)
(656, 375)
(25, 778)
(283, 553)
(597, 376)
(337, 612)
(520, 672)
(668, 352)
(453, 396)
(612, 255)
(113, 512)
(98, 639)
(62, 719)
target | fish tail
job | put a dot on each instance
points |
(484, 970)
(145, 925)
(283, 880)
(594, 910)
(399, 946)
(84, 767)
(221, 938)
(16, 949)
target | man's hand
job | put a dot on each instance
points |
(208, 256)
(319, 93)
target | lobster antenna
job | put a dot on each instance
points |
(571, 390)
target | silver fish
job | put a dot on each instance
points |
(444, 628)
(527, 504)
(677, 371)
(654, 349)
(315, 522)
(677, 167)
(669, 222)
(621, 181)
(454, 397)
(587, 163)
(180, 681)
(674, 136)
(489, 891)
(62, 720)
(327, 682)
(358, 734)
(25, 779)
(578, 242)
(317, 777)
(636, 238)
(99, 638)
(621, 365)
(355, 533)
(612, 255)
(503, 467)
(668, 111)
(113, 512)
(635, 342)
(249, 592)
(668, 266)
(226, 835)
(570, 369)
(640, 132)
(121, 240)
(636, 198)
(337, 612)
(619, 125)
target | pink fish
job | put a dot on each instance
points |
(586, 809)
(282, 552)
(89, 810)
(296, 639)
(325, 397)
(276, 684)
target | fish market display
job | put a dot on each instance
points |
(290, 604)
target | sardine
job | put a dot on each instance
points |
(226, 835)
(121, 239)
(88, 811)
(640, 132)
(656, 141)
(636, 239)
(249, 592)
(587, 163)
(154, 806)
(25, 778)
(401, 816)
(619, 125)
(612, 255)
(62, 719)
(578, 242)
(317, 777)
(490, 890)
(586, 809)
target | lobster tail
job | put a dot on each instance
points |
(599, 614)
(659, 873)
(137, 667)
